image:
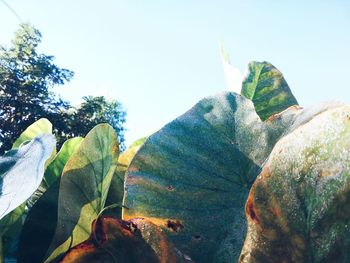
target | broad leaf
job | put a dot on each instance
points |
(21, 172)
(116, 190)
(298, 208)
(39, 127)
(83, 188)
(114, 240)
(267, 88)
(192, 177)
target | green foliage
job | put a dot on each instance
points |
(26, 81)
(197, 171)
(298, 208)
(55, 168)
(84, 187)
(11, 224)
(116, 191)
(183, 194)
(96, 110)
(21, 172)
(39, 127)
(267, 88)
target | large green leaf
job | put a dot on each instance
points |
(39, 127)
(116, 190)
(83, 188)
(298, 208)
(267, 88)
(22, 170)
(193, 176)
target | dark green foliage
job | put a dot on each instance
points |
(267, 88)
(96, 110)
(26, 81)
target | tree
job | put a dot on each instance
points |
(26, 82)
(95, 110)
(27, 79)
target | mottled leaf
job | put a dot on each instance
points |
(22, 170)
(298, 208)
(83, 188)
(193, 176)
(267, 88)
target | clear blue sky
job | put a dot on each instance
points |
(160, 57)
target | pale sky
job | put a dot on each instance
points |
(158, 58)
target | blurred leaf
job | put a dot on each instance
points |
(22, 170)
(83, 188)
(298, 208)
(267, 88)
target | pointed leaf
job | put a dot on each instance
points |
(298, 208)
(83, 188)
(22, 170)
(267, 88)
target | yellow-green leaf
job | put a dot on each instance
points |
(83, 188)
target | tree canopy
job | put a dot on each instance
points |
(27, 79)
(95, 110)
